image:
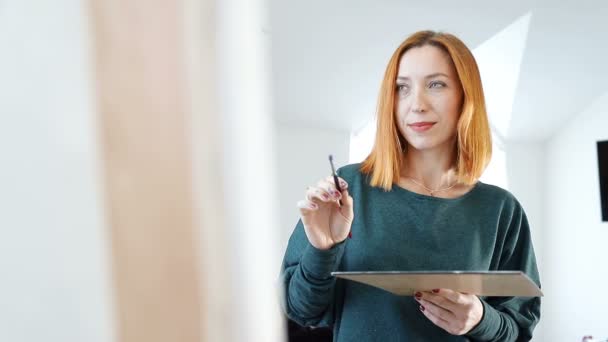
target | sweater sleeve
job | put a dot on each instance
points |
(307, 281)
(512, 318)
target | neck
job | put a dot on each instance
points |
(433, 168)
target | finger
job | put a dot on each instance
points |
(453, 296)
(315, 194)
(436, 320)
(439, 301)
(347, 200)
(307, 206)
(342, 182)
(437, 310)
(346, 209)
(330, 189)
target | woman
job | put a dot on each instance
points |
(415, 203)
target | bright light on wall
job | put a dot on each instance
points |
(496, 172)
(361, 142)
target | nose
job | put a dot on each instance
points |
(419, 103)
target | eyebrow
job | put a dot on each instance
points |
(403, 78)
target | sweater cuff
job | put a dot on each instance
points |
(488, 327)
(320, 263)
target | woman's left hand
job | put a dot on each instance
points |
(454, 312)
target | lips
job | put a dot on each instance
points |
(421, 126)
(422, 123)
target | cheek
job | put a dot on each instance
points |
(400, 118)
(399, 107)
(400, 114)
(450, 109)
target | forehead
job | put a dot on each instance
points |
(421, 61)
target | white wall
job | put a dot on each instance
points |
(54, 263)
(575, 239)
(303, 151)
(525, 173)
(525, 177)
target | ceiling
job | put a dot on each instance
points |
(328, 57)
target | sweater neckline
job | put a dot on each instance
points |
(398, 188)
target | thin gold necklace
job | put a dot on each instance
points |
(432, 191)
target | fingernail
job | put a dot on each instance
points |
(418, 295)
(337, 195)
(421, 308)
(343, 185)
(436, 291)
(325, 196)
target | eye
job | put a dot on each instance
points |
(402, 88)
(436, 84)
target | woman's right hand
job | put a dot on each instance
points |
(325, 222)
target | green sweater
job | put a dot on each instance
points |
(399, 230)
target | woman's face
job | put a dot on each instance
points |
(428, 98)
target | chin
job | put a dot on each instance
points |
(424, 144)
(421, 144)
